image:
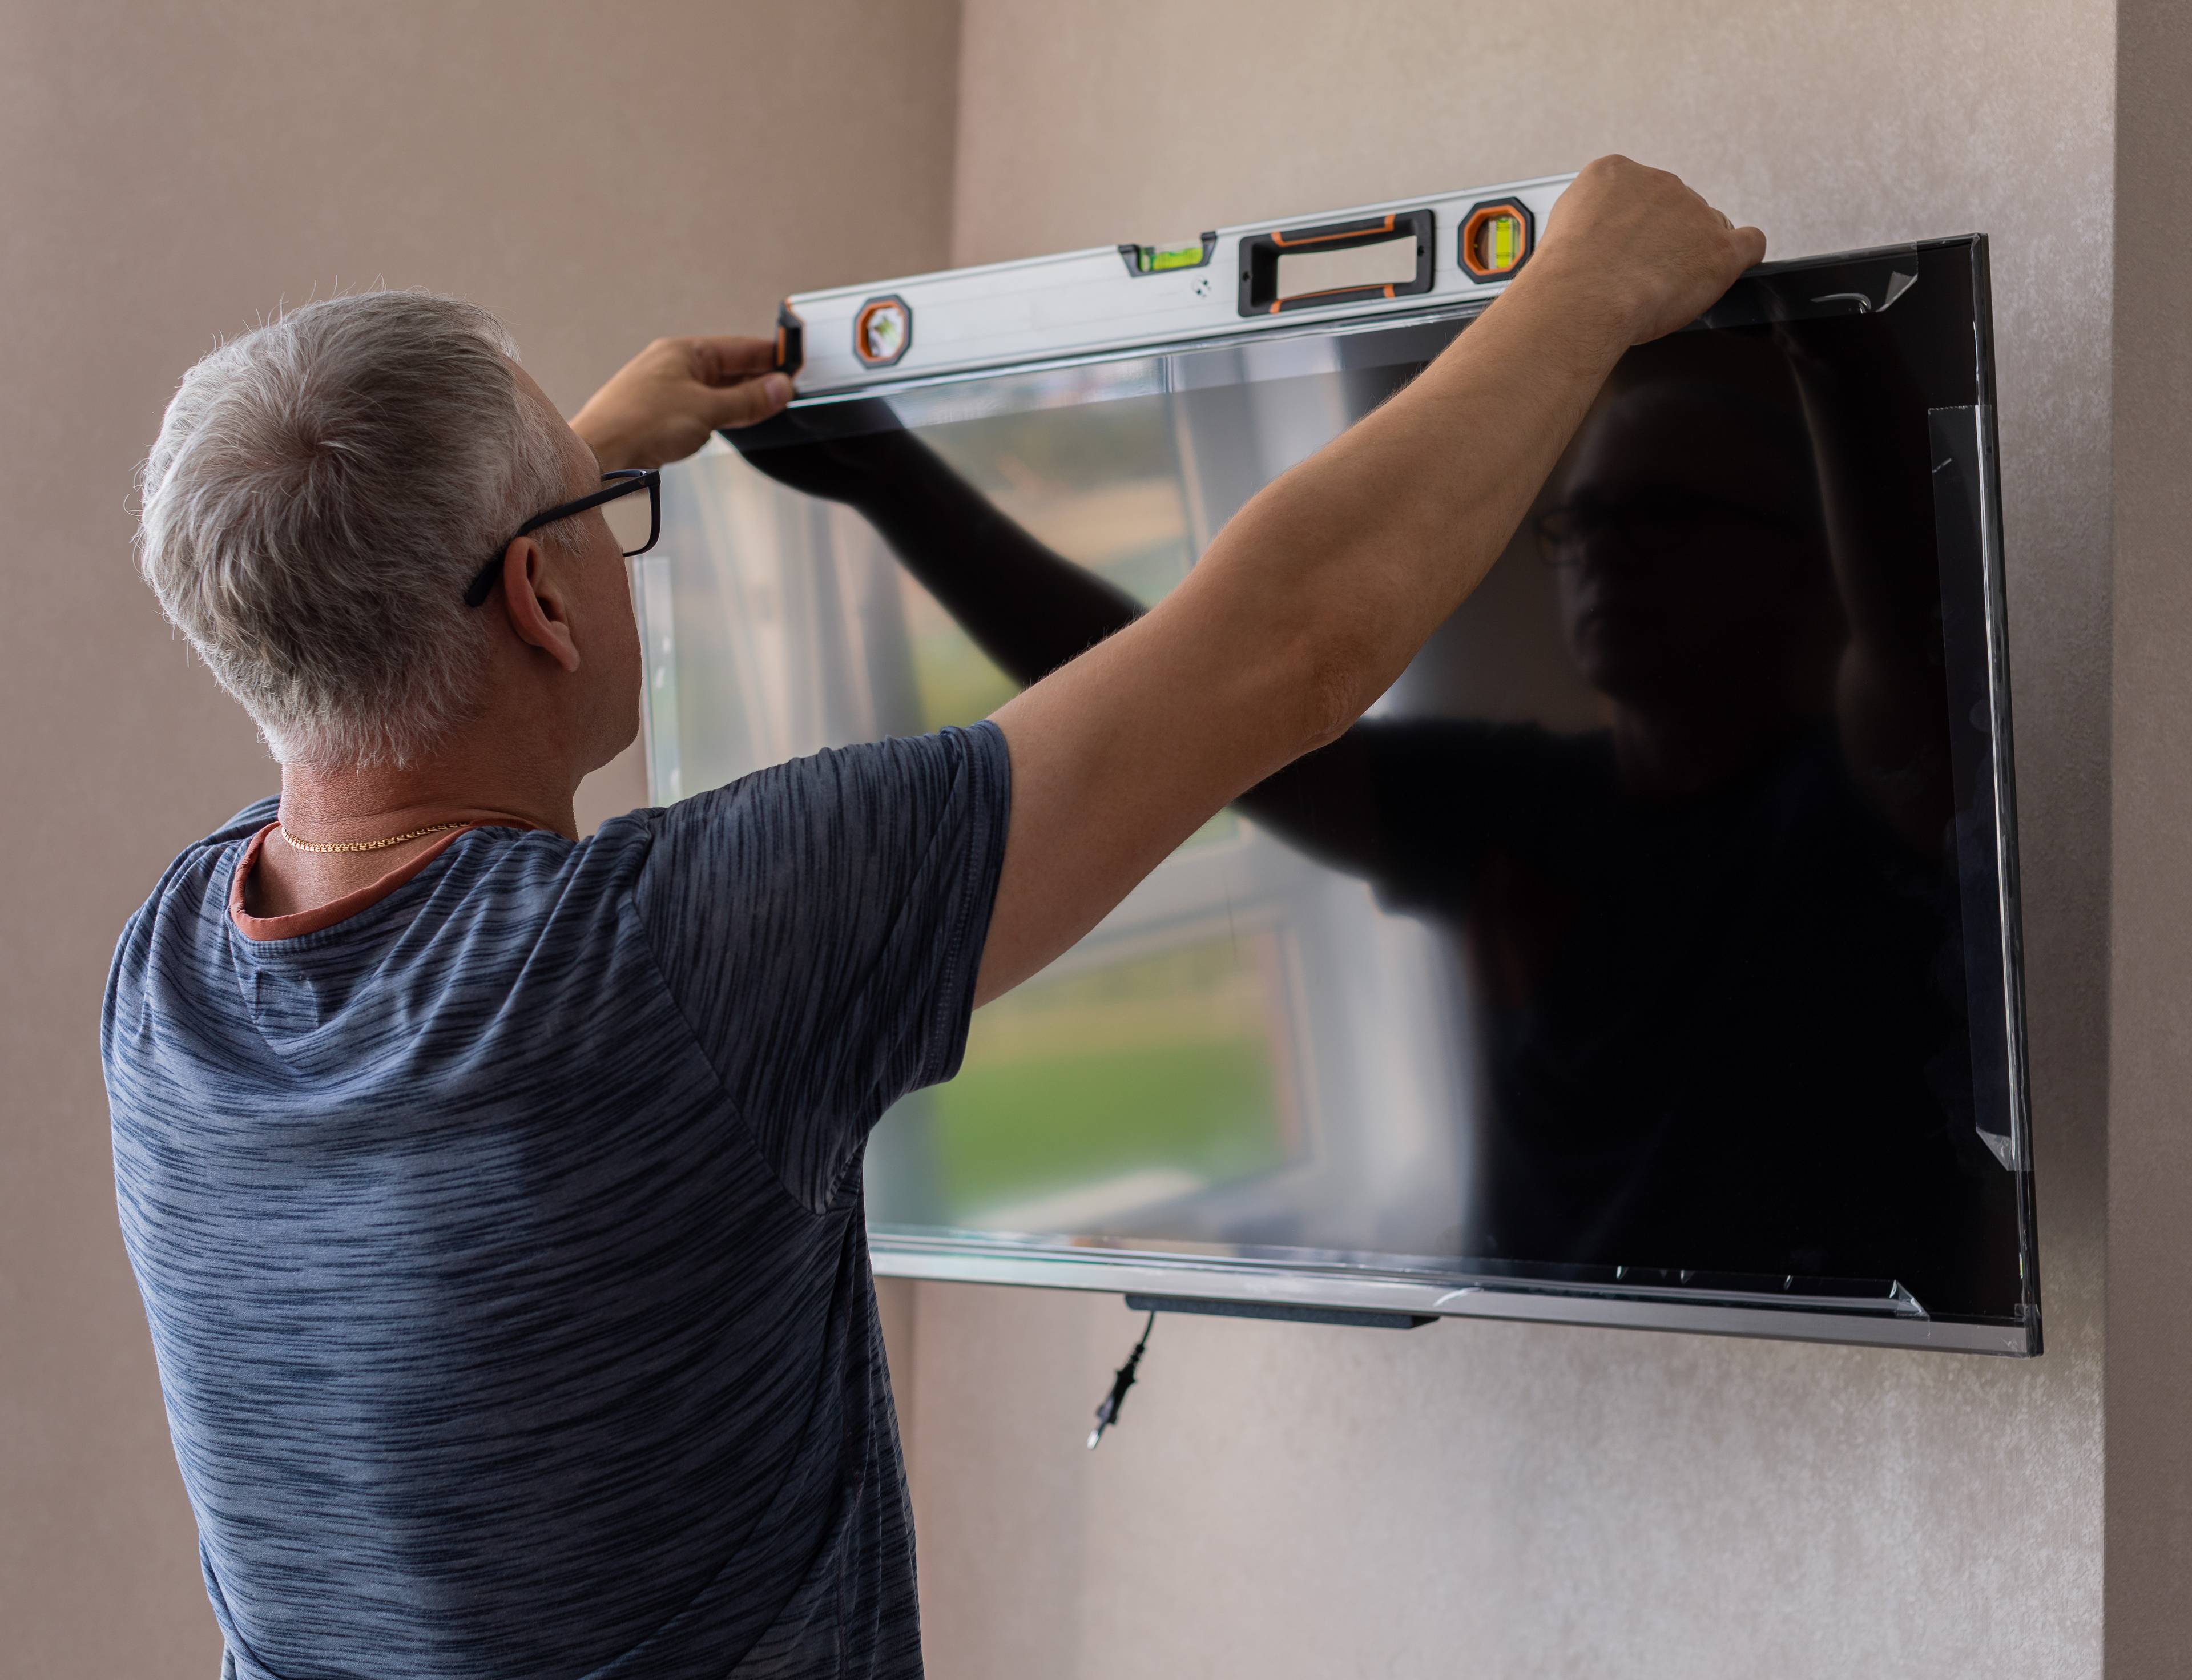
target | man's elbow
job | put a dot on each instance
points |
(1331, 681)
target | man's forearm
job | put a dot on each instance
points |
(1347, 563)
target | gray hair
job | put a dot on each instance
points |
(323, 489)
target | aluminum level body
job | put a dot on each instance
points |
(1086, 302)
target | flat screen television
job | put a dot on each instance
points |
(1647, 956)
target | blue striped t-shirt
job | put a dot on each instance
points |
(502, 1242)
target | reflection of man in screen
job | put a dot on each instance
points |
(1704, 940)
(1712, 956)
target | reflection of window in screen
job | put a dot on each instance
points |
(1100, 485)
(1090, 1096)
(1112, 1088)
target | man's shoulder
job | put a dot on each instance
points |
(478, 891)
(191, 871)
(945, 756)
(202, 852)
(243, 826)
(866, 784)
(175, 903)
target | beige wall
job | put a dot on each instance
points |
(597, 174)
(1503, 1499)
(2149, 1296)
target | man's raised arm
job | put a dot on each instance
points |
(1314, 598)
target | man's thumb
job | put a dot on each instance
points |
(751, 401)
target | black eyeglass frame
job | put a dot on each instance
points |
(624, 481)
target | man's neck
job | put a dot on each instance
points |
(324, 806)
(489, 774)
(511, 763)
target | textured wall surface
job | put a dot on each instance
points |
(1506, 1499)
(2149, 1296)
(597, 174)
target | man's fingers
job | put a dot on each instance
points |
(750, 402)
(726, 360)
(1750, 243)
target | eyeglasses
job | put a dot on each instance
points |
(1652, 522)
(634, 526)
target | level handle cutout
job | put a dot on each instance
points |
(1357, 261)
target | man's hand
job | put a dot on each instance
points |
(663, 403)
(1641, 246)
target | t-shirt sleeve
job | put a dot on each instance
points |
(820, 924)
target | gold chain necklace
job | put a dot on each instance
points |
(368, 845)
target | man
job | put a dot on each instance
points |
(495, 1195)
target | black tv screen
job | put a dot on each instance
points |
(1647, 955)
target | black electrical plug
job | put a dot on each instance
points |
(1108, 1413)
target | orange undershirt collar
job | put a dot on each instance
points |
(334, 910)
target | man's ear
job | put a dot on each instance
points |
(538, 602)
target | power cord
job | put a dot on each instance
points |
(1108, 1413)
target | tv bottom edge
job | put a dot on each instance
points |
(1861, 1312)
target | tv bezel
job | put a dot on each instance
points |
(1439, 1288)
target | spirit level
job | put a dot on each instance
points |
(1374, 259)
